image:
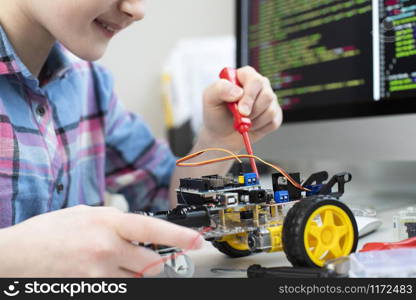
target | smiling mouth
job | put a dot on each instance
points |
(108, 30)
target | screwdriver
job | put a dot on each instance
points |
(241, 124)
(257, 271)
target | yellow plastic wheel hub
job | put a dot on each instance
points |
(328, 234)
(237, 241)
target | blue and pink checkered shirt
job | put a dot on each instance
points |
(65, 142)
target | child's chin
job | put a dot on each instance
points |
(91, 54)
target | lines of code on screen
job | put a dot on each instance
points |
(397, 47)
(311, 52)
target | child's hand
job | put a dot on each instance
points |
(256, 100)
(88, 242)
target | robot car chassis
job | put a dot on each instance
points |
(242, 218)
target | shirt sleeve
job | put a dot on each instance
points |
(136, 165)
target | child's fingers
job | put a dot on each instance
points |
(222, 91)
(270, 127)
(139, 228)
(121, 273)
(266, 99)
(271, 113)
(140, 261)
(253, 84)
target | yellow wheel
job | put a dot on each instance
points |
(329, 233)
(235, 245)
(316, 230)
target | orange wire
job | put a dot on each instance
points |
(188, 157)
(180, 163)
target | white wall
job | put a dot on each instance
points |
(137, 55)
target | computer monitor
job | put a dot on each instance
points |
(344, 72)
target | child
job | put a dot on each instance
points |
(64, 138)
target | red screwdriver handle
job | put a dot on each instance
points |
(241, 124)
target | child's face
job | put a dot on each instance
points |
(86, 26)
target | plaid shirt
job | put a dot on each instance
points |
(64, 142)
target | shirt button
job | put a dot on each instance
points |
(40, 110)
(59, 188)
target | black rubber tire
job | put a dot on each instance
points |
(294, 227)
(225, 248)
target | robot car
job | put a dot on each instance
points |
(241, 218)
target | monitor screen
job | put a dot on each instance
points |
(332, 58)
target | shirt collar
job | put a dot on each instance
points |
(57, 62)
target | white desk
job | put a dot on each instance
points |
(209, 257)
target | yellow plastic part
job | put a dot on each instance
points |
(237, 241)
(241, 179)
(330, 237)
(276, 238)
